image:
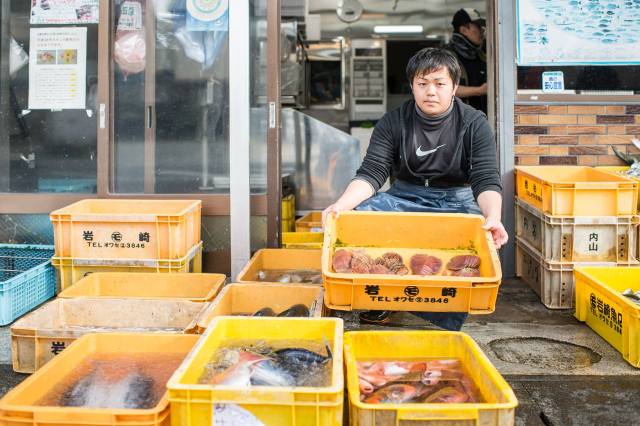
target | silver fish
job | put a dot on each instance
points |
(268, 373)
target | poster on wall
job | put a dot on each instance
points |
(57, 68)
(207, 15)
(64, 12)
(578, 32)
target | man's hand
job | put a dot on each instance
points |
(333, 209)
(500, 236)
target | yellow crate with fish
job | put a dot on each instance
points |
(311, 222)
(304, 240)
(283, 266)
(425, 377)
(41, 335)
(266, 300)
(101, 379)
(143, 285)
(262, 371)
(576, 191)
(608, 300)
(578, 238)
(71, 270)
(410, 262)
(127, 229)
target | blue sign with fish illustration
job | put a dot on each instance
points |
(553, 82)
(578, 32)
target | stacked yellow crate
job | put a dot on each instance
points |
(126, 236)
(568, 216)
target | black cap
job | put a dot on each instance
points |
(465, 16)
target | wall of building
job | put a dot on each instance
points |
(574, 134)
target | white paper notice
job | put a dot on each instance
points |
(57, 68)
(55, 12)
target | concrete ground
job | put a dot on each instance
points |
(561, 372)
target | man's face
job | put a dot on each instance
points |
(474, 32)
(433, 92)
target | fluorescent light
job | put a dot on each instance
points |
(386, 29)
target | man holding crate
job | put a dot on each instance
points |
(440, 155)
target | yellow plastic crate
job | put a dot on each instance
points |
(72, 270)
(143, 285)
(39, 336)
(18, 408)
(498, 410)
(410, 233)
(127, 229)
(311, 222)
(192, 404)
(576, 191)
(306, 240)
(621, 171)
(288, 207)
(579, 238)
(266, 259)
(246, 298)
(601, 305)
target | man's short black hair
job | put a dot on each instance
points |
(431, 59)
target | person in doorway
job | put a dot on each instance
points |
(441, 156)
(467, 44)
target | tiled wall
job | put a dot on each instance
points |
(574, 134)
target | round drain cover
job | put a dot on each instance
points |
(544, 353)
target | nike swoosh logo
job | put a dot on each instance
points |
(421, 153)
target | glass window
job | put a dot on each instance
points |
(49, 148)
(585, 79)
(171, 102)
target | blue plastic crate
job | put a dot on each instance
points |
(27, 279)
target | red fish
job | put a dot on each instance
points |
(342, 261)
(379, 269)
(465, 265)
(422, 264)
(449, 395)
(238, 374)
(393, 394)
(464, 261)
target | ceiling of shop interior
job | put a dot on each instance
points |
(434, 15)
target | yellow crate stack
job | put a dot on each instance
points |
(98, 235)
(570, 216)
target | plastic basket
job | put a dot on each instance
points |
(311, 222)
(552, 281)
(288, 213)
(269, 259)
(18, 408)
(192, 404)
(601, 305)
(72, 270)
(621, 171)
(27, 279)
(498, 410)
(305, 240)
(127, 229)
(576, 191)
(140, 285)
(577, 239)
(248, 298)
(40, 336)
(409, 233)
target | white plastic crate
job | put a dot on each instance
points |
(577, 239)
